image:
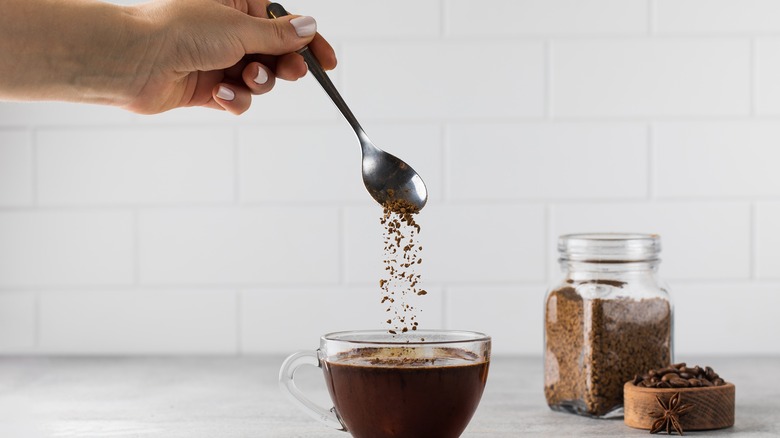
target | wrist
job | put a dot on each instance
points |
(73, 50)
(112, 66)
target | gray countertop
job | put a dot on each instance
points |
(239, 397)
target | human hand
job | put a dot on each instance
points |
(217, 53)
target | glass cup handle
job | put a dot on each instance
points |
(288, 386)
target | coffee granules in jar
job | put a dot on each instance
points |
(402, 257)
(609, 319)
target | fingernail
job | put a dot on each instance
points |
(262, 76)
(225, 93)
(304, 26)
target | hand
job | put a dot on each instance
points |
(217, 53)
(152, 57)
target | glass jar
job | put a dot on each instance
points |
(608, 319)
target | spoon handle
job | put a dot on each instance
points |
(276, 10)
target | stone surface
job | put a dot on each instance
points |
(229, 397)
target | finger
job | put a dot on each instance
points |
(291, 67)
(323, 51)
(258, 78)
(234, 99)
(278, 36)
(259, 8)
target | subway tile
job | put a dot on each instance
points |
(16, 168)
(730, 319)
(321, 163)
(664, 77)
(339, 20)
(44, 248)
(767, 88)
(17, 322)
(547, 161)
(461, 243)
(138, 322)
(313, 312)
(701, 241)
(716, 16)
(767, 241)
(545, 17)
(430, 80)
(716, 159)
(115, 166)
(60, 114)
(268, 245)
(511, 315)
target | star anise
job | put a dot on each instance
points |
(669, 416)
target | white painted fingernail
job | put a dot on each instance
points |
(225, 93)
(304, 26)
(262, 76)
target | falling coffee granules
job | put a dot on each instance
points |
(594, 346)
(401, 258)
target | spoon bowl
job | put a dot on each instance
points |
(385, 176)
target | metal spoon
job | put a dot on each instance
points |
(384, 175)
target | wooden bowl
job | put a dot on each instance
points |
(713, 406)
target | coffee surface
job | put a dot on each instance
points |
(417, 393)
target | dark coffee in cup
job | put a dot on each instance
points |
(381, 394)
(422, 385)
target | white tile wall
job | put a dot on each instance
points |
(239, 246)
(717, 16)
(767, 232)
(767, 76)
(546, 17)
(16, 168)
(716, 159)
(66, 248)
(149, 166)
(139, 321)
(435, 80)
(701, 241)
(729, 312)
(283, 320)
(196, 231)
(651, 77)
(512, 315)
(548, 161)
(17, 322)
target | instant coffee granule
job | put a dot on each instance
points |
(596, 345)
(402, 256)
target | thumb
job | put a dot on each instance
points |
(277, 36)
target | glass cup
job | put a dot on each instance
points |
(421, 384)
